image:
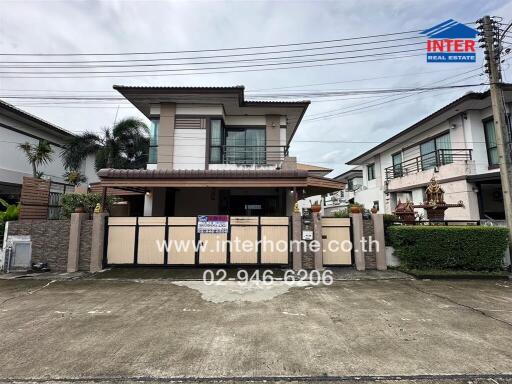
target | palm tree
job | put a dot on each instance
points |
(124, 146)
(37, 155)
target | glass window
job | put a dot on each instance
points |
(490, 143)
(350, 184)
(428, 154)
(245, 146)
(215, 141)
(397, 164)
(444, 146)
(153, 141)
(371, 171)
(436, 151)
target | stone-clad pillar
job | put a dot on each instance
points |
(378, 234)
(357, 231)
(97, 241)
(166, 136)
(296, 237)
(75, 226)
(317, 235)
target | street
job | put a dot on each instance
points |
(162, 329)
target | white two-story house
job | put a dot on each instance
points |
(18, 127)
(213, 152)
(456, 145)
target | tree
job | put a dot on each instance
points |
(124, 146)
(37, 155)
(74, 177)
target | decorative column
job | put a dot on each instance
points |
(380, 243)
(97, 241)
(357, 231)
(75, 227)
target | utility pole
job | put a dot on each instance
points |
(492, 50)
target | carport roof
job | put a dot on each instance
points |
(162, 178)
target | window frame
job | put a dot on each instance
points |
(372, 167)
(487, 148)
(153, 139)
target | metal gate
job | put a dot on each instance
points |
(337, 241)
(175, 241)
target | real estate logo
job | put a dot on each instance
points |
(451, 42)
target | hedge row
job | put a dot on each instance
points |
(474, 248)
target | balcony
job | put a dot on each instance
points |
(248, 154)
(433, 160)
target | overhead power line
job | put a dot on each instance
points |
(204, 71)
(208, 68)
(223, 55)
(212, 49)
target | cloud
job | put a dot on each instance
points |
(127, 26)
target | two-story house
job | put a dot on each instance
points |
(456, 145)
(18, 127)
(213, 152)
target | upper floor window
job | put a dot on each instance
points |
(350, 184)
(236, 145)
(490, 143)
(153, 140)
(436, 151)
(397, 164)
(371, 171)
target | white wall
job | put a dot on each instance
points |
(13, 163)
(189, 149)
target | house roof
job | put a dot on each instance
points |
(314, 169)
(351, 173)
(131, 178)
(232, 99)
(455, 107)
(15, 112)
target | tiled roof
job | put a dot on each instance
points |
(193, 174)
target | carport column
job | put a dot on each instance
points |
(97, 241)
(296, 237)
(379, 241)
(317, 235)
(357, 233)
(75, 226)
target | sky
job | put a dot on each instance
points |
(114, 26)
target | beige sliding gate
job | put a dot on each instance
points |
(337, 241)
(174, 241)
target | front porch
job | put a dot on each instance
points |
(212, 192)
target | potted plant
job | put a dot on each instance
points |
(315, 206)
(356, 208)
(80, 208)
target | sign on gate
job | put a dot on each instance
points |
(212, 224)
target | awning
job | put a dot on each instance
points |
(131, 178)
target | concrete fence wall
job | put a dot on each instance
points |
(65, 245)
(50, 240)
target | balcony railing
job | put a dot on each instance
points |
(249, 154)
(428, 161)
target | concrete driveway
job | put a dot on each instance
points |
(112, 329)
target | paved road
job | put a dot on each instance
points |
(125, 329)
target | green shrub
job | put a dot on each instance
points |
(388, 221)
(342, 214)
(12, 211)
(449, 247)
(71, 201)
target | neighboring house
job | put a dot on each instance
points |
(456, 145)
(18, 126)
(213, 152)
(340, 200)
